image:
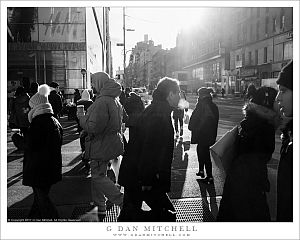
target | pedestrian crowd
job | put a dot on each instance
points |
(142, 164)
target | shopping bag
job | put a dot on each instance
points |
(225, 149)
(186, 119)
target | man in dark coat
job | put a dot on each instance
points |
(204, 126)
(285, 168)
(55, 99)
(42, 166)
(145, 170)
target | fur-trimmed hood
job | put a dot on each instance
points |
(262, 112)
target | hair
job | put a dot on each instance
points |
(164, 87)
(54, 84)
(264, 96)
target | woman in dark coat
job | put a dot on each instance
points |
(244, 195)
(204, 126)
(285, 168)
(42, 164)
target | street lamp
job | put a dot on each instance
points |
(83, 72)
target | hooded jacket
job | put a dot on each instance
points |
(103, 121)
(134, 106)
(150, 152)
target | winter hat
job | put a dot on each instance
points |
(40, 97)
(99, 79)
(285, 77)
(85, 95)
(204, 92)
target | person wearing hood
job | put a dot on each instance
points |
(244, 195)
(20, 108)
(145, 170)
(204, 125)
(285, 168)
(55, 99)
(104, 142)
(42, 165)
(134, 107)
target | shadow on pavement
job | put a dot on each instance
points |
(209, 191)
(179, 167)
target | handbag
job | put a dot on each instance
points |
(225, 149)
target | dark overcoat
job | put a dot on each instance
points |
(56, 102)
(42, 164)
(246, 184)
(150, 152)
(204, 122)
(285, 178)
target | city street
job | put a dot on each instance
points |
(72, 194)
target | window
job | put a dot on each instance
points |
(243, 58)
(237, 57)
(274, 24)
(266, 25)
(256, 57)
(288, 50)
(282, 18)
(250, 58)
(265, 54)
(257, 30)
(278, 52)
(251, 31)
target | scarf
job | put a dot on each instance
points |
(39, 109)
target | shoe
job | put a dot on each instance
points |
(200, 174)
(208, 180)
(177, 134)
(181, 132)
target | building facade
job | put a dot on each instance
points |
(58, 44)
(262, 43)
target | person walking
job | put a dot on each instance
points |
(178, 115)
(42, 165)
(55, 99)
(145, 170)
(102, 123)
(204, 125)
(244, 195)
(134, 107)
(20, 108)
(76, 95)
(285, 168)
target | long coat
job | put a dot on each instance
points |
(56, 102)
(285, 178)
(20, 107)
(204, 122)
(42, 164)
(151, 151)
(246, 184)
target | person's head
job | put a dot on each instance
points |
(85, 95)
(34, 87)
(55, 86)
(250, 90)
(264, 96)
(285, 94)
(40, 97)
(98, 80)
(20, 91)
(167, 90)
(204, 93)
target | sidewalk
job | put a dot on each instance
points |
(72, 195)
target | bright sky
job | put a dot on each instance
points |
(160, 23)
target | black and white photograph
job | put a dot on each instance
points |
(149, 120)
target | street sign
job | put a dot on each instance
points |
(120, 44)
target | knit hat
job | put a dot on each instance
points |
(40, 97)
(85, 95)
(204, 92)
(285, 77)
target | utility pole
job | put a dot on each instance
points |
(124, 57)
